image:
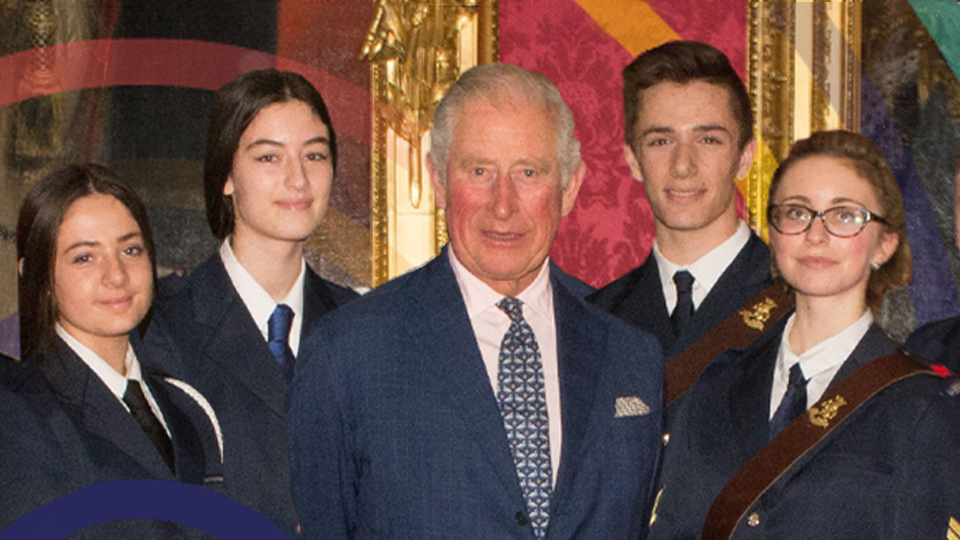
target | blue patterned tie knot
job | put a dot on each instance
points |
(278, 338)
(523, 406)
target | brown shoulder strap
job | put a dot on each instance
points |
(799, 437)
(736, 331)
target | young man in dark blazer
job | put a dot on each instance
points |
(479, 396)
(689, 135)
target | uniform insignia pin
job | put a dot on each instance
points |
(757, 316)
(821, 416)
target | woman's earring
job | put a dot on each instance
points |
(874, 266)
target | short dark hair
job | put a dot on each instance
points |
(684, 62)
(38, 225)
(868, 162)
(235, 106)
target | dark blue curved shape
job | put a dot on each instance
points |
(185, 504)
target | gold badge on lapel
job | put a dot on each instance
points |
(757, 316)
(953, 529)
(630, 406)
(821, 416)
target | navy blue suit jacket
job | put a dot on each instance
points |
(939, 341)
(889, 471)
(396, 432)
(203, 333)
(637, 297)
(62, 429)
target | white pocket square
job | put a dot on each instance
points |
(630, 406)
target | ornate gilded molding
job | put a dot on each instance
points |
(417, 49)
(803, 76)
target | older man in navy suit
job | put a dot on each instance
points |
(479, 396)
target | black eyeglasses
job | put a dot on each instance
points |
(841, 221)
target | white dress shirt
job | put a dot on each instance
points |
(114, 381)
(706, 270)
(259, 302)
(820, 363)
(490, 324)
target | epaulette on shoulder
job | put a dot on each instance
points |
(950, 381)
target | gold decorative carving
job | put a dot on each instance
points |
(417, 49)
(770, 63)
(758, 315)
(827, 411)
(789, 42)
(820, 88)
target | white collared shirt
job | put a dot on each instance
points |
(706, 270)
(820, 364)
(259, 303)
(490, 324)
(114, 381)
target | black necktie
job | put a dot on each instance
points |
(793, 404)
(278, 338)
(684, 308)
(148, 421)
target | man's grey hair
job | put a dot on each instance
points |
(494, 82)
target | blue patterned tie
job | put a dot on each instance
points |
(793, 404)
(278, 336)
(523, 406)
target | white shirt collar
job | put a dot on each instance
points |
(827, 355)
(116, 382)
(706, 270)
(259, 303)
(478, 296)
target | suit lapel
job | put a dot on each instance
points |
(98, 412)
(317, 301)
(580, 337)
(643, 304)
(749, 396)
(187, 449)
(235, 343)
(874, 344)
(447, 338)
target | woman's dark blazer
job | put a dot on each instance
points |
(203, 333)
(62, 429)
(891, 470)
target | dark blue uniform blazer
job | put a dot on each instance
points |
(939, 341)
(396, 432)
(202, 333)
(62, 429)
(890, 471)
(637, 297)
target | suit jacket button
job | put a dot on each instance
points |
(666, 438)
(753, 519)
(521, 518)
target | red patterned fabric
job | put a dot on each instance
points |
(610, 230)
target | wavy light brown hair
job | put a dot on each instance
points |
(869, 163)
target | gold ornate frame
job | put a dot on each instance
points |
(804, 76)
(417, 49)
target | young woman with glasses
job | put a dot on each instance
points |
(890, 470)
